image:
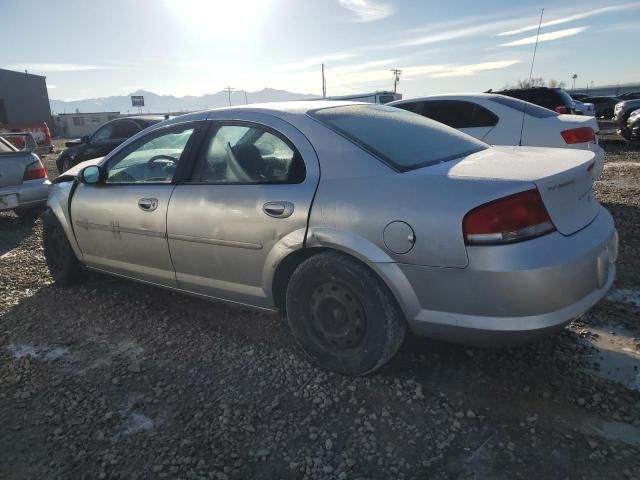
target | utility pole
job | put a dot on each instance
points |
(246, 102)
(575, 75)
(324, 84)
(396, 78)
(229, 90)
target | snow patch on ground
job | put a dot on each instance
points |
(137, 422)
(17, 350)
(46, 353)
(625, 295)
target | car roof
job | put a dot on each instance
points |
(448, 96)
(277, 109)
(144, 118)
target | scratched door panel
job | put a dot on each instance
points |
(117, 235)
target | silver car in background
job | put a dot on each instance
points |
(24, 186)
(355, 220)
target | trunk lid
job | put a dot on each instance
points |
(564, 178)
(12, 165)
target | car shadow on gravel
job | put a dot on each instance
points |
(13, 230)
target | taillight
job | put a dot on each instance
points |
(579, 135)
(561, 109)
(510, 219)
(34, 171)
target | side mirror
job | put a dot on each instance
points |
(91, 175)
(85, 139)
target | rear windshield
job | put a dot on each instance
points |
(400, 138)
(519, 105)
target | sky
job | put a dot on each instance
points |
(98, 48)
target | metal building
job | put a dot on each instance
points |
(23, 99)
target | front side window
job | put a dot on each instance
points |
(399, 138)
(153, 159)
(247, 154)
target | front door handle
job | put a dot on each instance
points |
(148, 204)
(278, 209)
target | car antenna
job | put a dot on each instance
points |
(535, 48)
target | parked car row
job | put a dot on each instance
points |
(356, 221)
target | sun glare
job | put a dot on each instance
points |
(215, 17)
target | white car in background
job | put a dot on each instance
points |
(501, 120)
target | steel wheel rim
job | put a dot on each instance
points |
(337, 317)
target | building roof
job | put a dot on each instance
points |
(4, 70)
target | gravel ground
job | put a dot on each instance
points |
(113, 379)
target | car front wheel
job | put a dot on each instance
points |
(61, 260)
(342, 315)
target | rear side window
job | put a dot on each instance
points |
(519, 105)
(124, 129)
(399, 138)
(247, 154)
(459, 113)
(5, 147)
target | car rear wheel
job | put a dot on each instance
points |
(61, 260)
(342, 315)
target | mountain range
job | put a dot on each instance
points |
(155, 103)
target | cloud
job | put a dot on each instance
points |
(546, 37)
(57, 67)
(466, 70)
(49, 87)
(312, 62)
(571, 18)
(444, 32)
(368, 10)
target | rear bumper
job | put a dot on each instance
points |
(31, 193)
(513, 293)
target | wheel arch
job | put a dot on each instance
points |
(371, 256)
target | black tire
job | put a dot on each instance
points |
(63, 163)
(342, 315)
(61, 260)
(29, 213)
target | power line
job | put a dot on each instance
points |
(348, 85)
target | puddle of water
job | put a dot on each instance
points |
(618, 355)
(617, 431)
(625, 295)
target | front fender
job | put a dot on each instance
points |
(59, 203)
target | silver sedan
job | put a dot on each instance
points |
(357, 221)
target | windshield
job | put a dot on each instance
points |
(519, 105)
(400, 138)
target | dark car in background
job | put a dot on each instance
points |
(103, 140)
(555, 99)
(633, 125)
(579, 96)
(604, 105)
(629, 96)
(621, 113)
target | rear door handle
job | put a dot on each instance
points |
(148, 204)
(278, 209)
